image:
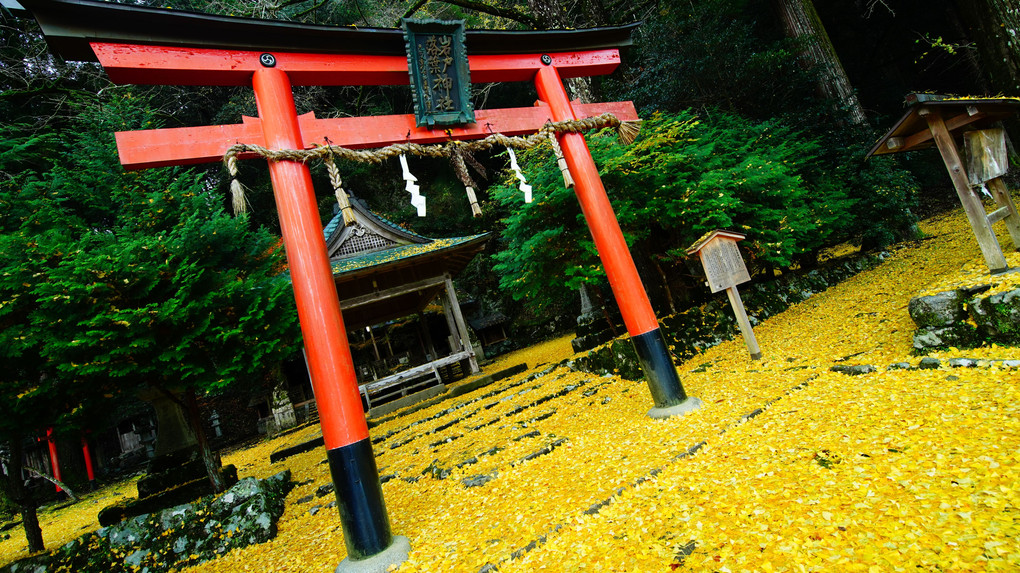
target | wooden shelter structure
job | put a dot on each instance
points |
(384, 273)
(942, 121)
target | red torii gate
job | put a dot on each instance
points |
(145, 59)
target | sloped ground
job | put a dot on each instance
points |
(788, 466)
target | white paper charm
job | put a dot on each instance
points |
(417, 199)
(524, 187)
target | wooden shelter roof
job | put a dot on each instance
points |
(709, 236)
(383, 272)
(961, 113)
(70, 25)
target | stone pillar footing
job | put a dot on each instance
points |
(381, 562)
(688, 405)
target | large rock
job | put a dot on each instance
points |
(937, 310)
(178, 468)
(966, 318)
(960, 335)
(170, 497)
(998, 316)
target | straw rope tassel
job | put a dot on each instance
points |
(568, 181)
(237, 197)
(341, 196)
(461, 170)
(476, 210)
(628, 131)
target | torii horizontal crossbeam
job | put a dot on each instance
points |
(190, 145)
(165, 65)
(142, 64)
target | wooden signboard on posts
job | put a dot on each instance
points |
(725, 269)
(721, 258)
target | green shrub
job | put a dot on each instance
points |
(684, 176)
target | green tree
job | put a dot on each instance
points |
(32, 240)
(111, 280)
(686, 175)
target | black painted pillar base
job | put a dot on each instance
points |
(363, 516)
(663, 382)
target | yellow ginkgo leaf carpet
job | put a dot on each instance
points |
(788, 466)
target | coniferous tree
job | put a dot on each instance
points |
(112, 280)
(684, 176)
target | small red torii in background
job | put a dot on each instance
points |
(152, 46)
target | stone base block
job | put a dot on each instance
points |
(688, 405)
(395, 554)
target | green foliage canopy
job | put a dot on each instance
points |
(109, 280)
(684, 176)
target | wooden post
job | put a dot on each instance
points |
(725, 269)
(375, 348)
(1012, 220)
(462, 330)
(745, 324)
(455, 340)
(990, 249)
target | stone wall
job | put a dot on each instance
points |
(174, 538)
(966, 318)
(690, 332)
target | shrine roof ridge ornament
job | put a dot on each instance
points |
(71, 25)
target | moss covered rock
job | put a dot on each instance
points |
(998, 316)
(174, 538)
(938, 310)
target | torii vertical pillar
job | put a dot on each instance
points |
(86, 452)
(660, 373)
(355, 475)
(54, 459)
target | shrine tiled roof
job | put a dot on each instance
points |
(402, 253)
(338, 220)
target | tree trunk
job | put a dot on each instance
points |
(801, 21)
(994, 27)
(22, 497)
(212, 469)
(976, 71)
(665, 285)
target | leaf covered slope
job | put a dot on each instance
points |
(787, 467)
